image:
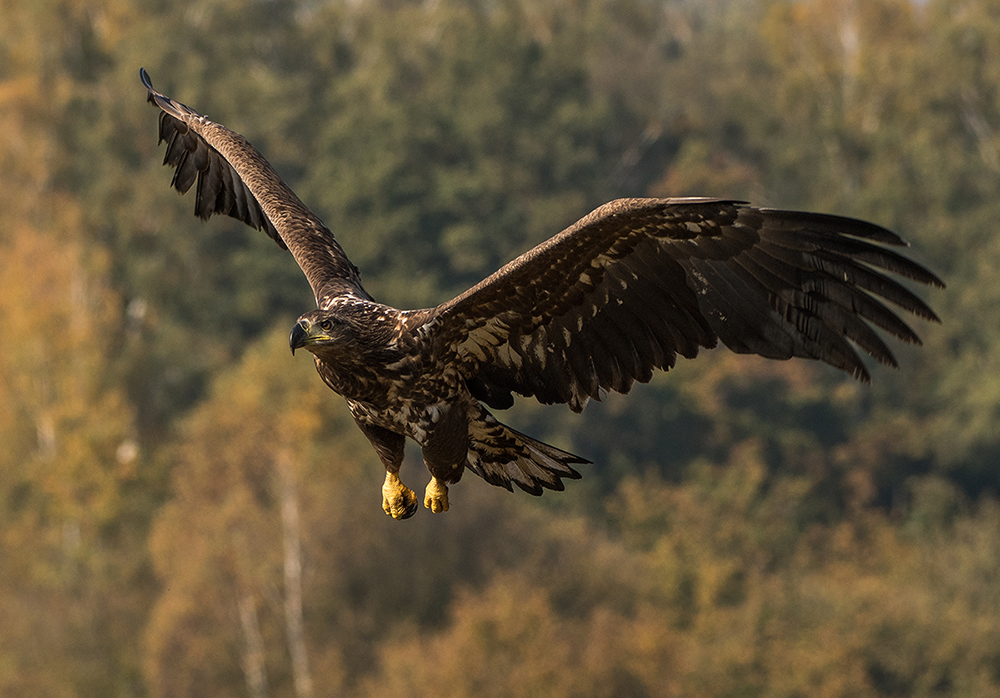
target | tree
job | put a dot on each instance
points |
(454, 141)
(230, 534)
(70, 465)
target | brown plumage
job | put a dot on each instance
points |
(599, 306)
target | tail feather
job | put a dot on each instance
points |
(505, 457)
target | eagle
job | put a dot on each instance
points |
(603, 304)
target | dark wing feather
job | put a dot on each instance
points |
(233, 179)
(639, 281)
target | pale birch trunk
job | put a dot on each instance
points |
(254, 670)
(293, 577)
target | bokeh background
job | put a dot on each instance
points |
(185, 510)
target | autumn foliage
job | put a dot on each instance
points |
(186, 510)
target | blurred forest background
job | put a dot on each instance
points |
(186, 510)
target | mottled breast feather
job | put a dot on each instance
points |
(638, 281)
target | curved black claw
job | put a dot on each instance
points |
(411, 509)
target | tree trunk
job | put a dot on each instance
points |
(293, 577)
(253, 656)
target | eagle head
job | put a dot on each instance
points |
(348, 332)
(318, 329)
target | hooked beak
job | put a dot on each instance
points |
(298, 338)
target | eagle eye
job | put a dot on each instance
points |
(326, 325)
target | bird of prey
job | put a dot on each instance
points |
(601, 305)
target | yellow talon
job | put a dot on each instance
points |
(436, 496)
(398, 500)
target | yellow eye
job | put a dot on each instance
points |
(326, 325)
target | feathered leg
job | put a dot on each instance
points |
(398, 500)
(444, 452)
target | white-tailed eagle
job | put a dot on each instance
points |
(602, 304)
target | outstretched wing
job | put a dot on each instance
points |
(638, 281)
(235, 180)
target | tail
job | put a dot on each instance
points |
(505, 457)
